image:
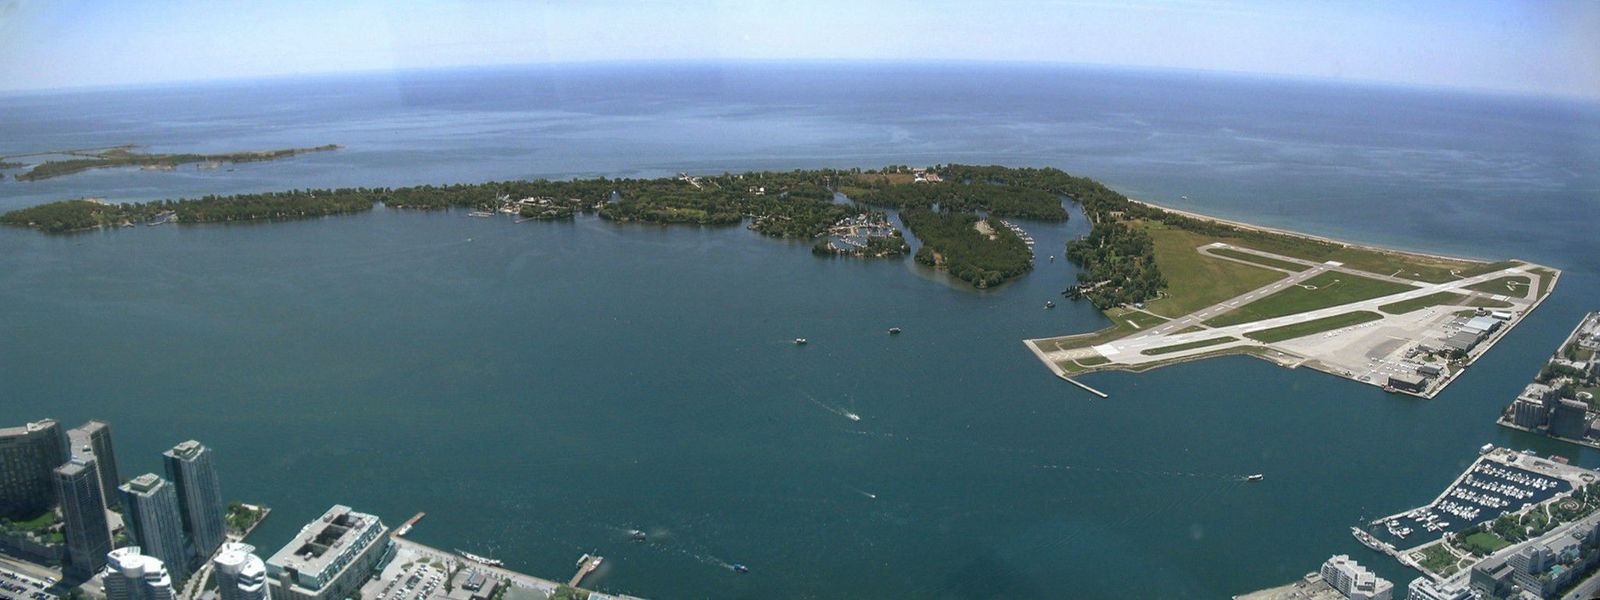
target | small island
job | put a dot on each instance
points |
(124, 156)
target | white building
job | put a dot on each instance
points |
(241, 575)
(1354, 581)
(130, 575)
(1423, 588)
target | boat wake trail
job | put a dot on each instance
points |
(834, 409)
(1114, 471)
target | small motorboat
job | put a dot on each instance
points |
(1256, 477)
(738, 568)
(1049, 304)
(894, 331)
(799, 341)
(637, 535)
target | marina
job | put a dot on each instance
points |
(1500, 482)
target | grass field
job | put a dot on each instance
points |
(1546, 279)
(1258, 259)
(1289, 332)
(1195, 281)
(1515, 285)
(1483, 543)
(1188, 346)
(1411, 266)
(1141, 319)
(1328, 289)
(1434, 299)
(1119, 328)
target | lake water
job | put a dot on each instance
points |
(540, 389)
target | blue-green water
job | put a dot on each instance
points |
(539, 389)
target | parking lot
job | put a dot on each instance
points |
(17, 586)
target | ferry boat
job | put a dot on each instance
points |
(482, 560)
(1256, 477)
(799, 341)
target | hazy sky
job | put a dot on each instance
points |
(1531, 46)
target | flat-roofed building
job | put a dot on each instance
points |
(330, 557)
(1568, 419)
(192, 471)
(1530, 413)
(93, 438)
(28, 455)
(1408, 382)
(1423, 588)
(83, 516)
(152, 517)
(1355, 581)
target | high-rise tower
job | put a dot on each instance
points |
(83, 512)
(151, 513)
(189, 466)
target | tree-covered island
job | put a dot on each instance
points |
(125, 156)
(953, 209)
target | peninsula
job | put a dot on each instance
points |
(81, 160)
(1561, 400)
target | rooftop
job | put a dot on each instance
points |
(186, 450)
(320, 542)
(143, 484)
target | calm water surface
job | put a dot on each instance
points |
(540, 389)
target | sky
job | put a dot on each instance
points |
(1527, 47)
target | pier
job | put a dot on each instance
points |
(1083, 385)
(586, 565)
(405, 527)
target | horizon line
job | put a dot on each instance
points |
(1226, 73)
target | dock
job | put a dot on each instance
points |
(586, 565)
(1083, 385)
(405, 527)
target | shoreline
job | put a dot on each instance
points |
(1310, 236)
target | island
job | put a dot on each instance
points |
(1561, 402)
(1178, 286)
(957, 218)
(124, 156)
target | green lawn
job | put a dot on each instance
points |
(1194, 280)
(1434, 299)
(1546, 279)
(1289, 332)
(1259, 259)
(1483, 543)
(1410, 266)
(1514, 285)
(1141, 319)
(41, 522)
(1187, 346)
(1328, 289)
